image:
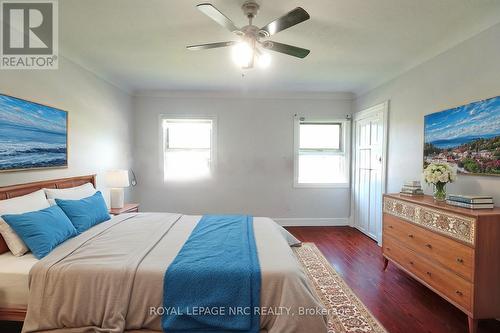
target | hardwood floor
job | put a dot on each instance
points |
(400, 303)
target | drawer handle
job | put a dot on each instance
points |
(429, 246)
(459, 293)
(411, 236)
(429, 273)
(391, 227)
(460, 260)
(411, 262)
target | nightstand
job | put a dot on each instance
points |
(128, 208)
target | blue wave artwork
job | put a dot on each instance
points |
(467, 136)
(31, 135)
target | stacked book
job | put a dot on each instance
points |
(412, 187)
(471, 201)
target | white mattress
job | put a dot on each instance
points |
(14, 273)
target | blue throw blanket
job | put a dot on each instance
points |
(213, 285)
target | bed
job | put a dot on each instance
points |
(76, 285)
(14, 275)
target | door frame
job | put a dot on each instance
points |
(384, 107)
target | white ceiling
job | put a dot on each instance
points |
(355, 44)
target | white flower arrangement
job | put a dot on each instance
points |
(439, 173)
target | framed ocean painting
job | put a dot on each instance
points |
(32, 135)
(467, 137)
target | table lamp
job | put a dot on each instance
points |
(117, 180)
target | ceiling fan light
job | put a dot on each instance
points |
(264, 60)
(242, 54)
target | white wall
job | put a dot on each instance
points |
(99, 119)
(465, 73)
(254, 173)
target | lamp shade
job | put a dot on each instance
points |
(117, 178)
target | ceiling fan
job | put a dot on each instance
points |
(250, 49)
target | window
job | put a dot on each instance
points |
(321, 153)
(187, 148)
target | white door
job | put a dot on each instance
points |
(370, 128)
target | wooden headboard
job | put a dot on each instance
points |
(12, 191)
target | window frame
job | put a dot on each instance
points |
(345, 150)
(213, 145)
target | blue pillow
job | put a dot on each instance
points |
(85, 213)
(42, 230)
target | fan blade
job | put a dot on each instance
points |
(217, 16)
(209, 46)
(292, 18)
(286, 49)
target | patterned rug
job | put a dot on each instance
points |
(346, 312)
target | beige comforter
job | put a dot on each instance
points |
(108, 278)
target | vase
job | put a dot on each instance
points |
(440, 191)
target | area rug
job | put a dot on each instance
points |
(346, 313)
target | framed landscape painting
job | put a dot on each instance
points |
(467, 137)
(32, 136)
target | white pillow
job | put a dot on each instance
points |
(73, 193)
(19, 205)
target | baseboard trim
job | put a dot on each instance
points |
(313, 222)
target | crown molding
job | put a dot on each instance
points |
(348, 96)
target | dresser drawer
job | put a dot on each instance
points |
(449, 253)
(456, 226)
(447, 283)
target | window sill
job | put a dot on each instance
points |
(325, 186)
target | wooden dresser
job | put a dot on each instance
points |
(453, 251)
